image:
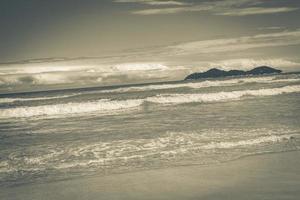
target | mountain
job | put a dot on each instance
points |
(216, 73)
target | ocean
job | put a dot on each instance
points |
(68, 134)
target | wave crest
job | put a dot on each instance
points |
(205, 84)
(102, 106)
(106, 105)
(220, 96)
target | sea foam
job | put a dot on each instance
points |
(106, 106)
(192, 85)
(220, 96)
(204, 84)
(244, 143)
(102, 106)
(172, 145)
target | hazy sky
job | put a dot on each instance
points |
(141, 40)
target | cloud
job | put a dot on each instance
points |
(130, 73)
(246, 63)
(284, 38)
(224, 7)
(155, 11)
(127, 67)
(255, 11)
(34, 79)
(271, 28)
(154, 2)
(37, 69)
(29, 76)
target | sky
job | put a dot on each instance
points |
(79, 43)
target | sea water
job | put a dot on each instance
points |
(68, 134)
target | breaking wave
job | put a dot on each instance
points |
(106, 105)
(192, 85)
(220, 96)
(102, 106)
(204, 84)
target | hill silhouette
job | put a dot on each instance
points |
(217, 73)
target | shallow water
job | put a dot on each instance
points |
(50, 136)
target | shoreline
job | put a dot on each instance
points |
(263, 176)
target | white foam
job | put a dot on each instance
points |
(204, 84)
(250, 142)
(171, 143)
(193, 85)
(106, 105)
(116, 153)
(70, 108)
(220, 96)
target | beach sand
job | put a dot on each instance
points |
(268, 176)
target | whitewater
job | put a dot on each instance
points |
(67, 134)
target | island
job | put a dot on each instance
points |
(217, 73)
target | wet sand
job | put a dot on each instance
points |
(268, 176)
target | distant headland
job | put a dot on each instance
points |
(217, 73)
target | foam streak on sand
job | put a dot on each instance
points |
(243, 143)
(170, 146)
